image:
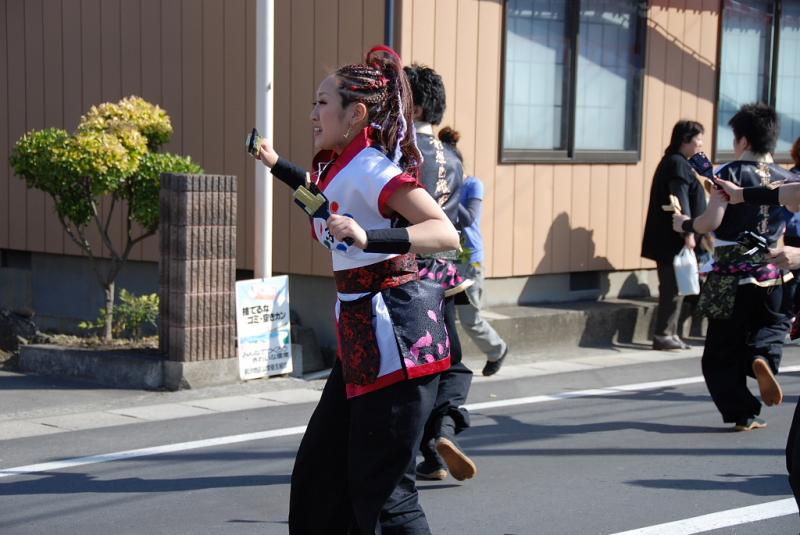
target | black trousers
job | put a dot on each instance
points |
(449, 312)
(354, 470)
(756, 329)
(448, 418)
(669, 302)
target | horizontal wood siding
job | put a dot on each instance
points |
(193, 58)
(196, 59)
(565, 217)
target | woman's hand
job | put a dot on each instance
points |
(342, 227)
(732, 191)
(785, 257)
(677, 221)
(266, 153)
(720, 196)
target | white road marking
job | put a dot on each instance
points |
(289, 431)
(156, 450)
(688, 526)
(722, 519)
(246, 437)
(583, 393)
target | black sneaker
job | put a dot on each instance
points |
(748, 424)
(493, 366)
(431, 470)
(666, 343)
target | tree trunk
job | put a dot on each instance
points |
(109, 308)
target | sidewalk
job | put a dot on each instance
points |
(538, 332)
(543, 340)
(36, 405)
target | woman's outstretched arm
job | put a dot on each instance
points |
(787, 195)
(706, 222)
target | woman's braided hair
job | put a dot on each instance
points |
(381, 85)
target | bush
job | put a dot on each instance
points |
(131, 315)
(113, 156)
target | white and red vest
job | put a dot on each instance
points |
(358, 184)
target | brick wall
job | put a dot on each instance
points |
(197, 267)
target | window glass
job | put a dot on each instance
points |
(535, 75)
(745, 64)
(607, 80)
(787, 86)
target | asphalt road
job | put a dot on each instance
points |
(592, 451)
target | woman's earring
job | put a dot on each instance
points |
(347, 134)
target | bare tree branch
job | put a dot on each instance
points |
(110, 213)
(103, 235)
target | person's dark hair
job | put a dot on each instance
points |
(683, 132)
(428, 90)
(795, 152)
(450, 137)
(757, 122)
(381, 85)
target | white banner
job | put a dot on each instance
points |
(263, 327)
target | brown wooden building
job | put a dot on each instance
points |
(564, 108)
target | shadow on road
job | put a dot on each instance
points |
(758, 485)
(514, 431)
(64, 483)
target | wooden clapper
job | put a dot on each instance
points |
(673, 206)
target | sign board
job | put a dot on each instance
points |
(263, 327)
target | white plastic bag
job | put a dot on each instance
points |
(685, 264)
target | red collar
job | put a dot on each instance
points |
(361, 141)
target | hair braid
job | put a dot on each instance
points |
(382, 86)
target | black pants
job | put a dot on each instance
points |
(448, 417)
(449, 312)
(354, 471)
(669, 302)
(756, 329)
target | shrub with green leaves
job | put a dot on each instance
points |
(130, 113)
(131, 315)
(113, 154)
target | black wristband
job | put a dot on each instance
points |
(762, 195)
(388, 241)
(688, 226)
(289, 173)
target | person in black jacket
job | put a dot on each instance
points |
(743, 296)
(673, 176)
(471, 265)
(786, 257)
(442, 174)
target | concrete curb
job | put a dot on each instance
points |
(120, 368)
(528, 330)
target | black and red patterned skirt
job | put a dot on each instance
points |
(406, 308)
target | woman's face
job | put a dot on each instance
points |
(693, 146)
(330, 121)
